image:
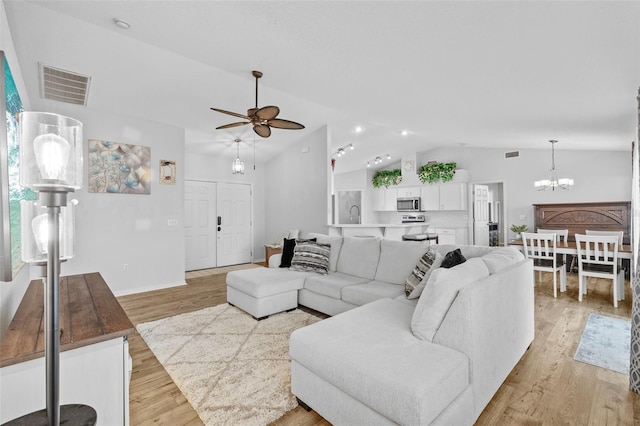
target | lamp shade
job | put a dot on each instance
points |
(50, 151)
(35, 231)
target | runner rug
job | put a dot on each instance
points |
(605, 342)
(231, 368)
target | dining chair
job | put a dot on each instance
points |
(598, 257)
(620, 235)
(542, 249)
(562, 236)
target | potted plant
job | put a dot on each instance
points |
(386, 178)
(433, 172)
(518, 229)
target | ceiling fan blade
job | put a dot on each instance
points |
(235, 114)
(268, 113)
(262, 130)
(279, 123)
(239, 123)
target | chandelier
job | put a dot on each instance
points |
(553, 182)
(237, 166)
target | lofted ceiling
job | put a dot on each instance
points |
(507, 74)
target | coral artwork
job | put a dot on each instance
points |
(119, 168)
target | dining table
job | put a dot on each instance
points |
(624, 251)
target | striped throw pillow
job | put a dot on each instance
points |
(417, 279)
(310, 256)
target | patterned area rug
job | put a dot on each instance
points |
(231, 368)
(605, 343)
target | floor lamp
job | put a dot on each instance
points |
(51, 165)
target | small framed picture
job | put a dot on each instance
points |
(167, 172)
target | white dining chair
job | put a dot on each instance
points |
(598, 257)
(562, 236)
(620, 235)
(542, 249)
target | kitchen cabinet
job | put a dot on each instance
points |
(408, 191)
(385, 199)
(448, 196)
(456, 236)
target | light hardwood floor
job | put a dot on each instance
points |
(547, 387)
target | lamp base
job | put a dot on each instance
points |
(70, 415)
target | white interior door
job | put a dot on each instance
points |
(481, 215)
(234, 224)
(200, 225)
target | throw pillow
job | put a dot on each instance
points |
(440, 292)
(418, 278)
(453, 258)
(287, 251)
(310, 256)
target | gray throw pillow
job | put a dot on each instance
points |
(417, 279)
(310, 256)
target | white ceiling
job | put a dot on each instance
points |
(510, 75)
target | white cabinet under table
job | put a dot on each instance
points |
(95, 365)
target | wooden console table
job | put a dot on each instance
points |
(577, 217)
(94, 356)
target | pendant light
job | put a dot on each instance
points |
(553, 182)
(237, 166)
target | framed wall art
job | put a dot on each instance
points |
(167, 172)
(119, 168)
(11, 193)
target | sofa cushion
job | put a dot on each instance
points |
(398, 258)
(453, 258)
(370, 354)
(331, 285)
(359, 256)
(310, 256)
(336, 245)
(263, 282)
(440, 292)
(501, 257)
(421, 272)
(361, 294)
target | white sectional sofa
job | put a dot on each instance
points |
(385, 359)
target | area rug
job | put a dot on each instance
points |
(231, 368)
(605, 343)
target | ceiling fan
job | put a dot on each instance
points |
(262, 119)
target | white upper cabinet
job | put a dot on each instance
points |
(384, 199)
(448, 196)
(408, 191)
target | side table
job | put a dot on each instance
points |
(270, 250)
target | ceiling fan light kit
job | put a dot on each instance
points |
(262, 119)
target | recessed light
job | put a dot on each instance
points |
(404, 132)
(121, 24)
(358, 129)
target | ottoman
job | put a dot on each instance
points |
(264, 291)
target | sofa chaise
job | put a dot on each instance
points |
(385, 359)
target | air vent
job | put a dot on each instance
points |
(512, 154)
(64, 86)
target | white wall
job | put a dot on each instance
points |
(298, 188)
(218, 169)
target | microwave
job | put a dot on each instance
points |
(409, 204)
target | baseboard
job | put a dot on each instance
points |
(149, 288)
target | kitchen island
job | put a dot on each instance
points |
(383, 230)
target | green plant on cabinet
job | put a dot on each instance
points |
(386, 178)
(433, 172)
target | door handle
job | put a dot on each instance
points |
(219, 220)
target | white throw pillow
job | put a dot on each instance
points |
(440, 292)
